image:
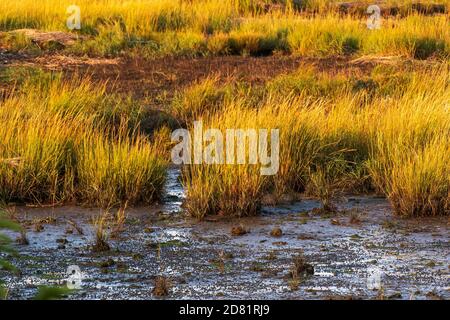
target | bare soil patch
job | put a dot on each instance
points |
(147, 78)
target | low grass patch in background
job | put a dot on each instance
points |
(210, 27)
(73, 142)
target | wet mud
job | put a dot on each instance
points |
(362, 252)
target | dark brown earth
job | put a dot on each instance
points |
(146, 78)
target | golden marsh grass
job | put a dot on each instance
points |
(210, 27)
(74, 146)
(399, 141)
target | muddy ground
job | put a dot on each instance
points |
(349, 251)
(144, 78)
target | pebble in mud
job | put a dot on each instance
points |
(62, 241)
(276, 232)
(335, 222)
(239, 230)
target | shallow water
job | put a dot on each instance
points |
(380, 256)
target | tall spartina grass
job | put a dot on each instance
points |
(73, 142)
(395, 140)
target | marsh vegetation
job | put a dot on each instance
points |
(87, 115)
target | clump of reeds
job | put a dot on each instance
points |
(197, 100)
(396, 143)
(162, 287)
(67, 140)
(328, 180)
(409, 159)
(101, 235)
(299, 269)
(120, 219)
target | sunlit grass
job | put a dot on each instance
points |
(72, 142)
(163, 27)
(397, 139)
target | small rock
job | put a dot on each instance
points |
(107, 263)
(276, 232)
(239, 230)
(62, 241)
(335, 222)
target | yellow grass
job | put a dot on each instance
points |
(65, 141)
(74, 145)
(400, 140)
(176, 27)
